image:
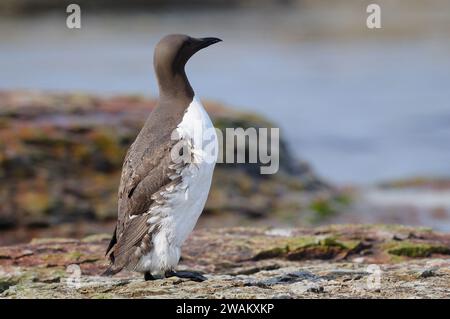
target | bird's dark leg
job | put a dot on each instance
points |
(148, 276)
(192, 275)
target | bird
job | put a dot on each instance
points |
(167, 171)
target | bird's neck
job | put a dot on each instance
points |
(174, 85)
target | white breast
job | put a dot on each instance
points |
(185, 202)
(196, 126)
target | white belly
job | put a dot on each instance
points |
(178, 216)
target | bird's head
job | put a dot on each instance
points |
(174, 50)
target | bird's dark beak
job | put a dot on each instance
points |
(206, 42)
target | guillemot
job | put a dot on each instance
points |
(164, 187)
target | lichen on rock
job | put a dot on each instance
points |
(243, 263)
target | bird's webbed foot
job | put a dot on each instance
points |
(192, 275)
(148, 276)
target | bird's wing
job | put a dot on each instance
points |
(143, 174)
(144, 180)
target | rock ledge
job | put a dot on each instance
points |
(365, 261)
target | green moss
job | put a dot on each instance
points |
(74, 255)
(314, 252)
(344, 244)
(322, 208)
(343, 199)
(326, 206)
(415, 250)
(271, 253)
(303, 241)
(308, 247)
(325, 242)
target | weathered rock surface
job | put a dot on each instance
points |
(328, 262)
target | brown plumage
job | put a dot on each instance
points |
(147, 169)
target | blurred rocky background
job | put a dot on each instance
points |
(363, 113)
(61, 156)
